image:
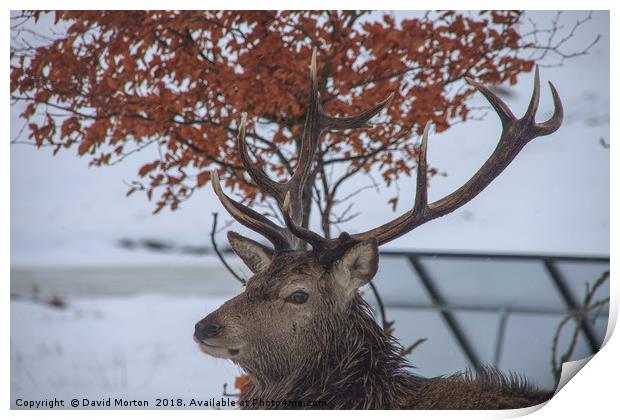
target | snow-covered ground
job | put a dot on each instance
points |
(134, 341)
(136, 347)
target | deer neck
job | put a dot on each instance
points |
(358, 367)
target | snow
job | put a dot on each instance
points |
(137, 347)
(120, 341)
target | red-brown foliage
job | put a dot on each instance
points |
(116, 82)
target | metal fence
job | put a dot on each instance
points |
(419, 262)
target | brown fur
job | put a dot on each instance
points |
(331, 349)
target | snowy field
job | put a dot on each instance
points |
(137, 347)
(132, 344)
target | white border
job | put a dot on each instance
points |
(592, 393)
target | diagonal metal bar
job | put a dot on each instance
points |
(570, 302)
(501, 333)
(448, 317)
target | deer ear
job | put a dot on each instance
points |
(358, 265)
(256, 256)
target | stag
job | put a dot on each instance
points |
(301, 330)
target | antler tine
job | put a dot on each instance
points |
(257, 174)
(314, 239)
(250, 218)
(357, 121)
(309, 144)
(502, 110)
(421, 192)
(313, 72)
(413, 218)
(530, 114)
(553, 123)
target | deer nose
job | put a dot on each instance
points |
(206, 330)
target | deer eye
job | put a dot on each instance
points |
(297, 297)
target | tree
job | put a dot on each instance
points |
(111, 84)
(117, 82)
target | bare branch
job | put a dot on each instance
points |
(219, 254)
(579, 317)
(408, 350)
(544, 42)
(387, 325)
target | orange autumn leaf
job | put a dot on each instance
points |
(241, 382)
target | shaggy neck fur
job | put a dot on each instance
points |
(360, 367)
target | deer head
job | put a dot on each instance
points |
(299, 302)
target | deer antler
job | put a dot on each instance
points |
(317, 122)
(249, 218)
(516, 133)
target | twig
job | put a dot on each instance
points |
(225, 393)
(542, 46)
(579, 317)
(219, 254)
(387, 325)
(344, 216)
(408, 350)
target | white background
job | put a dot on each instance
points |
(73, 212)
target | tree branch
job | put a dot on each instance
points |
(219, 254)
(579, 316)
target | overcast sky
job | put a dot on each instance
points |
(554, 198)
